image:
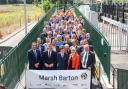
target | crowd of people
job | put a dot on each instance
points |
(63, 45)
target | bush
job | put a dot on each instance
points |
(46, 5)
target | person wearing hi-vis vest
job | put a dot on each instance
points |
(88, 59)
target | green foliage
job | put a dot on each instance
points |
(53, 1)
(46, 5)
(36, 3)
(11, 14)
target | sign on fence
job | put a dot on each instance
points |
(58, 79)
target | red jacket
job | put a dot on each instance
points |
(75, 61)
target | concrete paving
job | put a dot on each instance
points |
(119, 59)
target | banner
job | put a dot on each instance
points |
(58, 79)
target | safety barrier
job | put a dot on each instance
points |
(3, 51)
(122, 79)
(119, 78)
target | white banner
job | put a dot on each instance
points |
(58, 79)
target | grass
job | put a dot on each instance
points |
(13, 15)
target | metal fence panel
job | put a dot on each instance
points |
(12, 66)
(3, 51)
(122, 79)
(116, 34)
(101, 46)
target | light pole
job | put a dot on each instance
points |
(25, 17)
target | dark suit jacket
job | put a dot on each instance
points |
(62, 61)
(91, 60)
(80, 49)
(80, 38)
(90, 42)
(69, 43)
(50, 60)
(33, 60)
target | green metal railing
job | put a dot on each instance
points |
(122, 79)
(101, 46)
(12, 66)
(3, 51)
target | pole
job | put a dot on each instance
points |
(117, 12)
(101, 7)
(91, 3)
(123, 18)
(25, 17)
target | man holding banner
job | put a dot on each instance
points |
(34, 57)
(88, 60)
(49, 58)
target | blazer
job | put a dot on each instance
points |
(62, 61)
(80, 49)
(33, 59)
(75, 61)
(50, 60)
(91, 60)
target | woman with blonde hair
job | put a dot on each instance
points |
(73, 60)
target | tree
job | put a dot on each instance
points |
(53, 1)
(46, 5)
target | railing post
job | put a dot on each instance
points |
(99, 72)
(113, 78)
(123, 20)
(117, 12)
(112, 11)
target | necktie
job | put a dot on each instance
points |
(62, 55)
(35, 54)
(40, 48)
(49, 54)
(85, 59)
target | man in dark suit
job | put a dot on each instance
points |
(67, 49)
(62, 58)
(34, 57)
(88, 60)
(49, 58)
(88, 39)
